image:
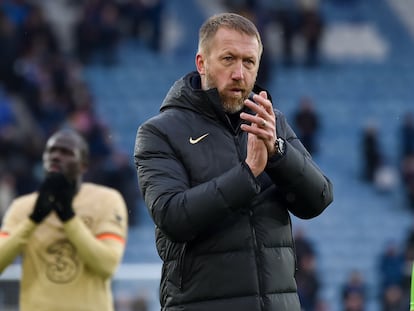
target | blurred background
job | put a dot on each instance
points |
(341, 70)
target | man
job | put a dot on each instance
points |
(307, 124)
(220, 174)
(71, 234)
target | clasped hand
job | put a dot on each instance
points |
(261, 132)
(55, 193)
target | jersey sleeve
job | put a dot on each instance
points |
(101, 250)
(15, 231)
(114, 218)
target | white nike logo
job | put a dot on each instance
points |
(194, 141)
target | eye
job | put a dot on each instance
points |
(68, 152)
(250, 63)
(227, 58)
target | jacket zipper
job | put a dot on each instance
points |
(256, 257)
(253, 230)
(181, 260)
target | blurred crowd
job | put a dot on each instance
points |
(291, 31)
(43, 88)
(378, 168)
(395, 262)
(387, 176)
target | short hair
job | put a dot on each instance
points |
(228, 20)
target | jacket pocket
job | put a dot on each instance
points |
(176, 275)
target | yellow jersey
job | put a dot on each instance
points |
(67, 266)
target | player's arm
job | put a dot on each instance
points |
(12, 243)
(17, 228)
(101, 253)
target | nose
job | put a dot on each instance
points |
(55, 154)
(238, 71)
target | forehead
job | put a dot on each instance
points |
(63, 141)
(231, 39)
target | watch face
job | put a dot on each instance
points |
(280, 144)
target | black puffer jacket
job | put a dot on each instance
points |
(224, 236)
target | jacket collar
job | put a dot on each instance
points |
(186, 93)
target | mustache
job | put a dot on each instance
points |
(240, 86)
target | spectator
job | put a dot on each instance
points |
(144, 20)
(391, 267)
(371, 156)
(306, 276)
(303, 245)
(407, 171)
(354, 292)
(308, 282)
(393, 299)
(307, 123)
(312, 26)
(407, 135)
(87, 32)
(9, 49)
(286, 14)
(36, 32)
(353, 301)
(407, 157)
(109, 33)
(297, 19)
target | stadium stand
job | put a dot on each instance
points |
(365, 75)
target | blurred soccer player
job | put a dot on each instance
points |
(71, 234)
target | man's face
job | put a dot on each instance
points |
(231, 66)
(62, 154)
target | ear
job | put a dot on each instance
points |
(200, 64)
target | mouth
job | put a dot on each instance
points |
(54, 168)
(237, 92)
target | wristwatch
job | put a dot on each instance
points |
(279, 146)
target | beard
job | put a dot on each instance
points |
(231, 104)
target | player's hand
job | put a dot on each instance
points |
(44, 201)
(63, 193)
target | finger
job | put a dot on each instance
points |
(262, 131)
(252, 119)
(262, 100)
(257, 108)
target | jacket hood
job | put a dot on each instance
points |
(186, 93)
